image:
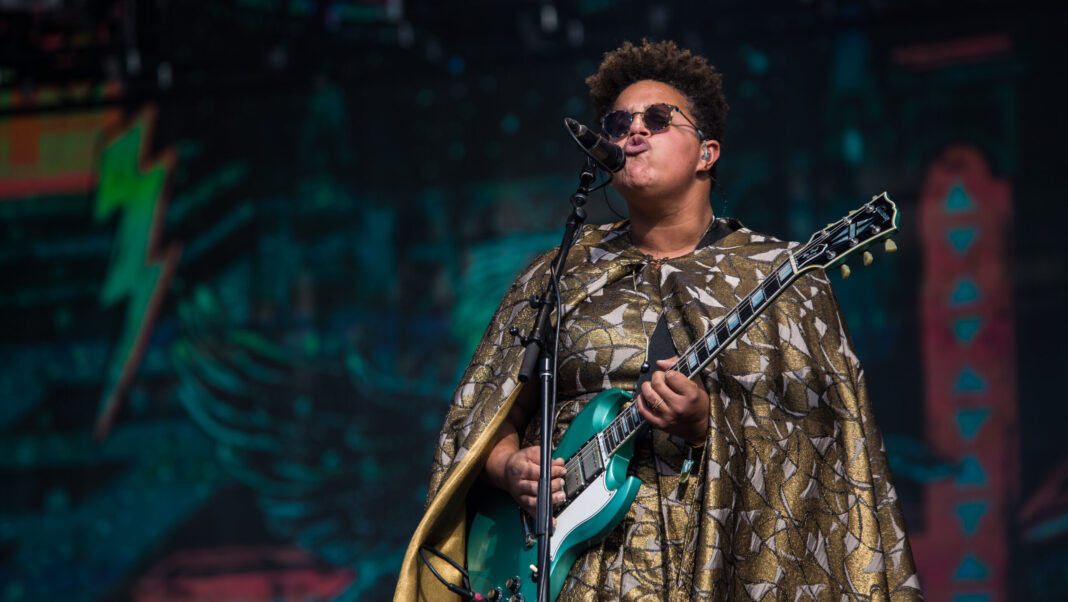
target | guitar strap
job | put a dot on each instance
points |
(660, 344)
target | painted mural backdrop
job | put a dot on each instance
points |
(248, 248)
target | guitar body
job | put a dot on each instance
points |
(497, 546)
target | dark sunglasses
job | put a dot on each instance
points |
(655, 117)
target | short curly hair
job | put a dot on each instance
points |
(664, 62)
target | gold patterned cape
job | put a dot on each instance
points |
(791, 497)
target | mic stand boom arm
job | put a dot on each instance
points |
(538, 352)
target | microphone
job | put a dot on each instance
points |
(608, 156)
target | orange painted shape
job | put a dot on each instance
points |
(24, 145)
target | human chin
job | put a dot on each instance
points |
(638, 172)
(629, 182)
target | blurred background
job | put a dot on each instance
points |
(249, 245)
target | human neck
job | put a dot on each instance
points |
(666, 233)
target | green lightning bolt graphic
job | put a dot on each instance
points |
(140, 268)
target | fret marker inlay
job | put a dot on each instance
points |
(710, 342)
(758, 298)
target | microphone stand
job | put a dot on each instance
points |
(538, 352)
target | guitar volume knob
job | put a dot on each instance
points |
(513, 585)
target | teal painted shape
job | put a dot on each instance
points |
(852, 146)
(966, 328)
(970, 569)
(972, 597)
(971, 472)
(958, 201)
(970, 420)
(962, 238)
(969, 381)
(969, 514)
(965, 292)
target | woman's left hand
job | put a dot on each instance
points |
(673, 403)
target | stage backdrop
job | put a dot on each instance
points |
(248, 248)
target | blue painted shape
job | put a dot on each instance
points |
(962, 238)
(969, 514)
(969, 381)
(972, 597)
(970, 420)
(971, 472)
(965, 328)
(958, 200)
(970, 569)
(965, 292)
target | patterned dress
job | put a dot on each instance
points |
(790, 497)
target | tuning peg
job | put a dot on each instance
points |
(868, 258)
(845, 271)
(890, 245)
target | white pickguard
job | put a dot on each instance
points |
(591, 501)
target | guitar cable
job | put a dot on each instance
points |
(465, 591)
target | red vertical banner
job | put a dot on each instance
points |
(969, 363)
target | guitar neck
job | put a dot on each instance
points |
(705, 349)
(876, 220)
(829, 247)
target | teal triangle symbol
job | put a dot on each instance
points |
(958, 200)
(970, 421)
(970, 569)
(962, 238)
(965, 292)
(971, 472)
(966, 327)
(969, 514)
(969, 381)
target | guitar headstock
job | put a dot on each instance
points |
(854, 233)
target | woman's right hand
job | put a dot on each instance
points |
(521, 478)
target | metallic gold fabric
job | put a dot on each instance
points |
(791, 497)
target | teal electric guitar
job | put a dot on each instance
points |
(597, 447)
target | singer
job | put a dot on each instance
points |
(764, 478)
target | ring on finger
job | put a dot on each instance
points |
(656, 404)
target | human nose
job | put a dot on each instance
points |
(637, 124)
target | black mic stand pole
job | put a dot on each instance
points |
(538, 351)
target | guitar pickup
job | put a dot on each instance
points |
(591, 463)
(573, 483)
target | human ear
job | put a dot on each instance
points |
(709, 154)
